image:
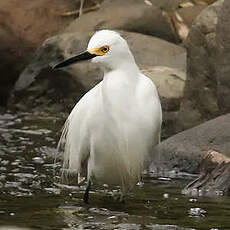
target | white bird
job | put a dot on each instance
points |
(113, 129)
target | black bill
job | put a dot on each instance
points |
(81, 57)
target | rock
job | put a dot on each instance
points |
(148, 51)
(214, 176)
(189, 14)
(184, 151)
(129, 15)
(200, 102)
(24, 27)
(9, 67)
(14, 228)
(182, 19)
(222, 70)
(204, 1)
(170, 84)
(166, 227)
(28, 19)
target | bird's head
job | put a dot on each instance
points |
(106, 47)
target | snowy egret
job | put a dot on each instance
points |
(111, 131)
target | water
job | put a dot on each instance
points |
(32, 196)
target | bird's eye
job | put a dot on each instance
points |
(105, 49)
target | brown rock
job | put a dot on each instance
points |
(34, 21)
(214, 176)
(189, 14)
(23, 27)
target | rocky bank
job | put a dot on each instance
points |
(182, 46)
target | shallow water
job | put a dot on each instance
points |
(31, 194)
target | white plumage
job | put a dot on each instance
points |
(113, 128)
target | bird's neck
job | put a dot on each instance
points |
(125, 65)
(125, 72)
(119, 87)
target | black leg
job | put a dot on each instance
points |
(86, 195)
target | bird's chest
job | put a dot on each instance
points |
(120, 113)
(120, 119)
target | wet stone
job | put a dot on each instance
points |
(7, 137)
(13, 184)
(197, 212)
(55, 191)
(3, 169)
(15, 170)
(165, 195)
(15, 163)
(36, 185)
(166, 227)
(127, 226)
(5, 162)
(2, 177)
(192, 200)
(106, 212)
(219, 192)
(38, 160)
(24, 175)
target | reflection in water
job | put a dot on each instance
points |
(31, 194)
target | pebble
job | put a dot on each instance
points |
(196, 212)
(3, 169)
(38, 160)
(164, 178)
(166, 195)
(55, 191)
(193, 200)
(219, 193)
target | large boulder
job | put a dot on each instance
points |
(204, 89)
(214, 176)
(189, 14)
(148, 52)
(184, 151)
(222, 60)
(34, 21)
(9, 64)
(129, 15)
(23, 27)
(170, 83)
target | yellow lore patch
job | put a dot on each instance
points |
(99, 51)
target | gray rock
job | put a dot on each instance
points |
(222, 58)
(129, 15)
(166, 227)
(214, 176)
(201, 101)
(184, 151)
(13, 227)
(70, 83)
(170, 83)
